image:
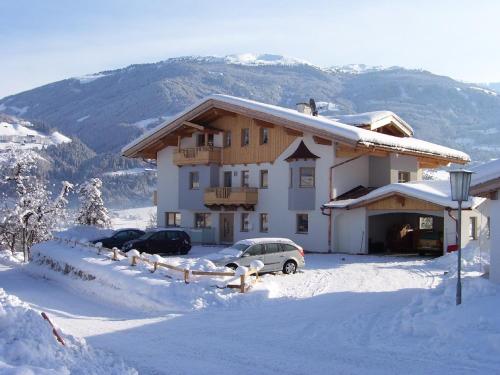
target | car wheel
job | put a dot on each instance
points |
(232, 266)
(289, 267)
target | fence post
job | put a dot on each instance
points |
(155, 266)
(242, 286)
(115, 254)
(134, 261)
(186, 276)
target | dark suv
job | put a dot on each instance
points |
(119, 237)
(161, 241)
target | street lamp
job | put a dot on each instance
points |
(460, 185)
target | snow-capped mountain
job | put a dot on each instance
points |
(106, 110)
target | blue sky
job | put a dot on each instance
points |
(45, 41)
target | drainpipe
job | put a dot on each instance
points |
(330, 196)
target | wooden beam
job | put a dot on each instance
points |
(193, 125)
(293, 132)
(264, 124)
(322, 141)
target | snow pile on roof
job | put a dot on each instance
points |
(327, 126)
(81, 268)
(473, 328)
(28, 346)
(433, 191)
(365, 118)
(486, 172)
(263, 59)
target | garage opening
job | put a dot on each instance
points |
(405, 233)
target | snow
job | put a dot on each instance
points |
(354, 314)
(7, 129)
(83, 118)
(129, 172)
(254, 241)
(434, 191)
(90, 77)
(263, 59)
(486, 172)
(28, 346)
(435, 174)
(145, 123)
(323, 125)
(139, 217)
(482, 89)
(58, 138)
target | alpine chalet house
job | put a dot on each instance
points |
(231, 168)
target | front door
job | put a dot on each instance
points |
(226, 228)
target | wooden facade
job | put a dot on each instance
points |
(401, 203)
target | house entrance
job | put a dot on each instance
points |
(226, 228)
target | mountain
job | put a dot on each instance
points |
(106, 110)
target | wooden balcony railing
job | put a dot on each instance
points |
(229, 196)
(198, 155)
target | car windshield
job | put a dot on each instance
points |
(236, 250)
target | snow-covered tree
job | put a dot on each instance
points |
(30, 214)
(92, 210)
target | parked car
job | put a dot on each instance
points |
(161, 241)
(429, 242)
(277, 254)
(119, 237)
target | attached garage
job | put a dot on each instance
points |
(406, 218)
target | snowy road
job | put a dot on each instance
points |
(337, 316)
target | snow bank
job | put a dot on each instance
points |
(136, 287)
(473, 328)
(28, 346)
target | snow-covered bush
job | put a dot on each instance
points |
(30, 214)
(92, 210)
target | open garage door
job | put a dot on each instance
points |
(405, 233)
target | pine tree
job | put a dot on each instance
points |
(92, 210)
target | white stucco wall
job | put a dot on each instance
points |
(167, 184)
(495, 241)
(349, 231)
(349, 175)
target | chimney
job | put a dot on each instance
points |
(304, 108)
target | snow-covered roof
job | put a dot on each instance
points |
(374, 119)
(486, 172)
(437, 192)
(317, 125)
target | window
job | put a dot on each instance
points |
(272, 248)
(227, 138)
(264, 136)
(302, 223)
(288, 247)
(263, 179)
(194, 180)
(173, 235)
(245, 175)
(228, 179)
(202, 220)
(473, 228)
(264, 223)
(200, 140)
(306, 177)
(255, 250)
(245, 222)
(245, 136)
(403, 176)
(291, 178)
(426, 222)
(172, 219)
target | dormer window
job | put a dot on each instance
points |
(403, 177)
(227, 138)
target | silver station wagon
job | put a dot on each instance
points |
(277, 254)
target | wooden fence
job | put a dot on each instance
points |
(243, 282)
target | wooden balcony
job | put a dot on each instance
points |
(231, 198)
(198, 155)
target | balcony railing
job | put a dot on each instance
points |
(229, 196)
(198, 155)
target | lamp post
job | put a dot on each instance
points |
(460, 185)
